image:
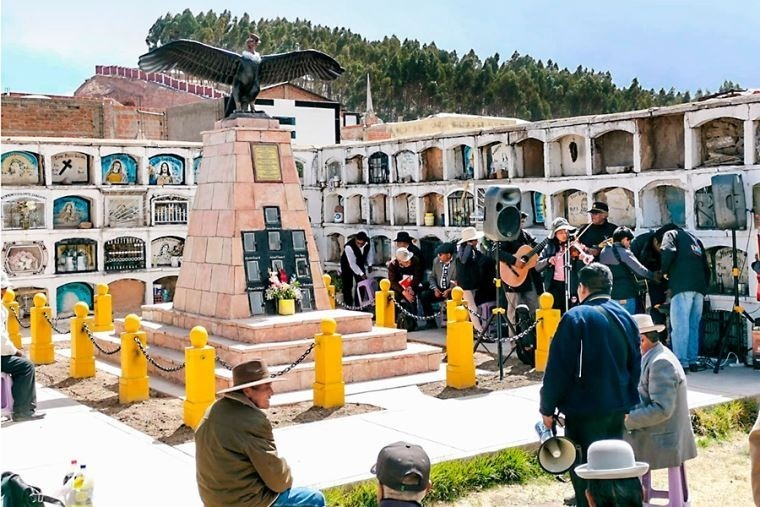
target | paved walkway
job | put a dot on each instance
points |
(130, 468)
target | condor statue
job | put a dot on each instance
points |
(246, 72)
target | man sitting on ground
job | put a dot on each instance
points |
(403, 475)
(236, 459)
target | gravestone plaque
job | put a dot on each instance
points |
(266, 163)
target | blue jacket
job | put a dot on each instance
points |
(591, 370)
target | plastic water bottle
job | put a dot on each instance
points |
(544, 433)
(82, 488)
(73, 469)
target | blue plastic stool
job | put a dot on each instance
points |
(678, 490)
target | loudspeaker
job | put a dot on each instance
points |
(501, 220)
(557, 455)
(729, 202)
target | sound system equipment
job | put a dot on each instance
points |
(501, 220)
(557, 455)
(729, 202)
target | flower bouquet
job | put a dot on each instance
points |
(286, 293)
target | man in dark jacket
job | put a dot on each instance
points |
(593, 368)
(354, 263)
(642, 247)
(403, 475)
(625, 268)
(685, 264)
(236, 460)
(598, 231)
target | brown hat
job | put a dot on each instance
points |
(248, 374)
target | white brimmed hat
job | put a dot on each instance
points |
(560, 224)
(248, 374)
(611, 459)
(469, 234)
(404, 254)
(646, 324)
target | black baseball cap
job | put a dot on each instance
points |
(599, 206)
(403, 466)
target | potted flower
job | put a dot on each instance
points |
(285, 292)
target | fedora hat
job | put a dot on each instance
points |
(361, 235)
(611, 459)
(403, 236)
(645, 323)
(560, 224)
(248, 374)
(469, 234)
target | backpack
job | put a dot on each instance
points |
(17, 493)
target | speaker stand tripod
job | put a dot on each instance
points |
(737, 311)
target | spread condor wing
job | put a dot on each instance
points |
(192, 57)
(282, 67)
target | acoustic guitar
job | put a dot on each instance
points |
(514, 276)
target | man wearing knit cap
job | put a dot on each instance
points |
(403, 475)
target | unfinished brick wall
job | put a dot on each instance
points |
(76, 117)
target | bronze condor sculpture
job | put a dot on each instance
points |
(246, 72)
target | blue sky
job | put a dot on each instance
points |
(53, 46)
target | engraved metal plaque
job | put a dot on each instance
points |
(266, 163)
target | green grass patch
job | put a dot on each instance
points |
(716, 423)
(455, 479)
(451, 479)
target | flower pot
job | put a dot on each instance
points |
(286, 306)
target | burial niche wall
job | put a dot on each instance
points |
(529, 159)
(404, 209)
(621, 203)
(494, 160)
(662, 142)
(432, 165)
(721, 142)
(661, 204)
(613, 153)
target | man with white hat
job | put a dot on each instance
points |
(236, 460)
(659, 427)
(18, 367)
(613, 475)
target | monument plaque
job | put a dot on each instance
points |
(266, 163)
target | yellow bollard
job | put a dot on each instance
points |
(133, 381)
(14, 326)
(329, 389)
(548, 320)
(460, 370)
(330, 289)
(200, 379)
(385, 311)
(41, 351)
(82, 350)
(103, 309)
(457, 299)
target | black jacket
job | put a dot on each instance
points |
(685, 262)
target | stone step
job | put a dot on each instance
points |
(261, 329)
(415, 358)
(378, 339)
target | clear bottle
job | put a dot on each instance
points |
(73, 469)
(83, 488)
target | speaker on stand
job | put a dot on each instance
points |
(501, 222)
(730, 208)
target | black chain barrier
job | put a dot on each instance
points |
(294, 363)
(52, 324)
(223, 364)
(18, 319)
(359, 308)
(485, 337)
(86, 330)
(153, 361)
(413, 316)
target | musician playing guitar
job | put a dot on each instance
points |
(516, 268)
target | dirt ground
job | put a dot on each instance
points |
(719, 475)
(161, 415)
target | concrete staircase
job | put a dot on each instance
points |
(369, 352)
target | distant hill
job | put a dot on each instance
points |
(414, 80)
